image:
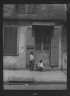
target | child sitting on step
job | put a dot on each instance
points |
(40, 66)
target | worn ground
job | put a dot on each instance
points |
(50, 80)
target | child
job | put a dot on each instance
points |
(31, 61)
(40, 66)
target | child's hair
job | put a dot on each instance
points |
(31, 52)
(40, 61)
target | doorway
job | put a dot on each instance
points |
(43, 44)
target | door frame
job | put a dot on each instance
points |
(45, 24)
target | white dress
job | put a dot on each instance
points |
(40, 65)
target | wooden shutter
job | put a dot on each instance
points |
(10, 41)
(55, 47)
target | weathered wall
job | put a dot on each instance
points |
(56, 47)
(29, 36)
(20, 60)
(25, 38)
(51, 11)
(64, 48)
(43, 11)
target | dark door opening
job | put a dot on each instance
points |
(43, 44)
(42, 37)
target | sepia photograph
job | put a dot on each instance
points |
(35, 46)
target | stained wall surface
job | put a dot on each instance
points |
(64, 47)
(20, 60)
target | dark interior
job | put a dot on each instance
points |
(43, 36)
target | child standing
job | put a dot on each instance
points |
(31, 61)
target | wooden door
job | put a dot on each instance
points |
(42, 52)
(55, 46)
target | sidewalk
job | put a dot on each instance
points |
(27, 75)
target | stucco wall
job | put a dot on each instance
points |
(55, 47)
(24, 40)
(29, 36)
(64, 48)
(20, 60)
(43, 11)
